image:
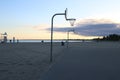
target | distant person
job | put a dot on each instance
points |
(13, 39)
(62, 43)
(10, 41)
(42, 41)
(83, 40)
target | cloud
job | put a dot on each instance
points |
(44, 27)
(93, 27)
(41, 27)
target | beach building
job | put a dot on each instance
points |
(4, 38)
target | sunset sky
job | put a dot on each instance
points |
(31, 19)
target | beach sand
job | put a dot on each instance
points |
(87, 61)
(26, 61)
(30, 61)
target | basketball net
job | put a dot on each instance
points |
(72, 21)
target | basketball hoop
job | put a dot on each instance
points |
(52, 19)
(72, 21)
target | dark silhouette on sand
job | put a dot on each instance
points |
(62, 43)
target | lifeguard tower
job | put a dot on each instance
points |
(4, 38)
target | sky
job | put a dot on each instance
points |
(31, 19)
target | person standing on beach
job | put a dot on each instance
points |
(13, 39)
(62, 43)
(10, 41)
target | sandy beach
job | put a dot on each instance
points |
(87, 61)
(26, 61)
(30, 61)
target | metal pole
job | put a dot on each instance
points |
(67, 39)
(68, 36)
(1, 38)
(51, 45)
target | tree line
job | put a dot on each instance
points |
(111, 37)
